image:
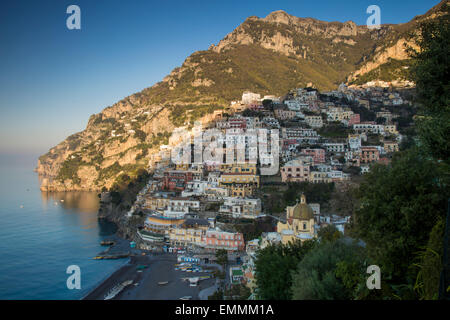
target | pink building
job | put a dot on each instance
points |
(317, 154)
(237, 123)
(369, 154)
(354, 119)
(295, 171)
(230, 241)
(256, 106)
(289, 144)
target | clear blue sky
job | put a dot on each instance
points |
(52, 79)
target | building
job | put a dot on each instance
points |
(319, 177)
(369, 154)
(314, 121)
(300, 223)
(174, 180)
(241, 207)
(390, 146)
(296, 170)
(236, 275)
(156, 228)
(368, 127)
(246, 168)
(353, 119)
(250, 97)
(269, 238)
(318, 155)
(190, 233)
(283, 114)
(335, 147)
(354, 141)
(217, 239)
(239, 184)
(390, 129)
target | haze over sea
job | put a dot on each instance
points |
(39, 241)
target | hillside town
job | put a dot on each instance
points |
(190, 208)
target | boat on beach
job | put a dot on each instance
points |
(117, 289)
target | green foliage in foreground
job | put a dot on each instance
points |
(400, 205)
(222, 257)
(274, 265)
(431, 73)
(333, 270)
(429, 264)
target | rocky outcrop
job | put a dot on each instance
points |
(382, 56)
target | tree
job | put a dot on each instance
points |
(430, 264)
(222, 257)
(431, 73)
(331, 271)
(274, 265)
(329, 233)
(400, 204)
(217, 295)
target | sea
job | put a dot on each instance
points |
(42, 234)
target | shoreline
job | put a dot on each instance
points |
(146, 269)
(104, 279)
(145, 286)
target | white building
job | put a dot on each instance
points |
(334, 147)
(241, 207)
(250, 97)
(314, 121)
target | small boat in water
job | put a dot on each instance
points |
(186, 298)
(107, 243)
(162, 283)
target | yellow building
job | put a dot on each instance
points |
(247, 168)
(391, 129)
(191, 232)
(299, 223)
(241, 190)
(390, 146)
(238, 178)
(156, 228)
(239, 184)
(155, 203)
(182, 167)
(319, 177)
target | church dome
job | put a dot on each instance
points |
(302, 211)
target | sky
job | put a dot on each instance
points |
(52, 78)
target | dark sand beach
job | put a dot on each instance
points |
(145, 282)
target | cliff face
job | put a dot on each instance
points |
(395, 41)
(268, 55)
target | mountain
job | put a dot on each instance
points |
(268, 55)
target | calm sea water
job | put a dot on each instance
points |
(41, 239)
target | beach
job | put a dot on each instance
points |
(160, 268)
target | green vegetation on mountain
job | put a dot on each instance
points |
(389, 71)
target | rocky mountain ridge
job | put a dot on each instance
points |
(268, 55)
